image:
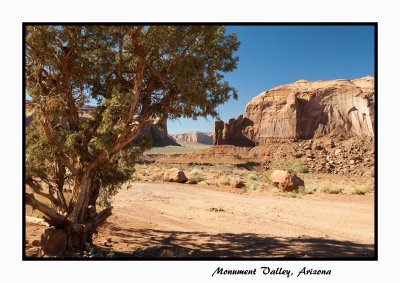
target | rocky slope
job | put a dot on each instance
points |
(352, 157)
(194, 137)
(303, 110)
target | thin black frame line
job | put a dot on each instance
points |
(209, 23)
(374, 24)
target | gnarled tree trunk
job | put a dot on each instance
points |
(72, 232)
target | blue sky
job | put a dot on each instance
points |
(274, 55)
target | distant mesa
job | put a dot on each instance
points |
(303, 110)
(194, 138)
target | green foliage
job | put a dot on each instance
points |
(294, 167)
(252, 177)
(38, 156)
(92, 70)
(195, 179)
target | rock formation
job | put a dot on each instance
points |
(158, 134)
(194, 137)
(303, 110)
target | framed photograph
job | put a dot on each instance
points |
(200, 141)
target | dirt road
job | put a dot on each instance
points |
(225, 224)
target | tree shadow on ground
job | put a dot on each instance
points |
(177, 244)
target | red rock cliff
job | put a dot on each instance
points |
(303, 110)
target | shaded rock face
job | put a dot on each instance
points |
(304, 110)
(194, 137)
(233, 132)
(158, 134)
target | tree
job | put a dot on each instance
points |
(93, 88)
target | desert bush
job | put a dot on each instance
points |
(195, 171)
(360, 190)
(293, 167)
(309, 188)
(224, 181)
(329, 188)
(157, 177)
(265, 177)
(252, 177)
(196, 179)
(165, 177)
(195, 176)
(252, 186)
(275, 190)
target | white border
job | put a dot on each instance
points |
(13, 13)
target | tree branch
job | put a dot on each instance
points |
(101, 217)
(60, 153)
(53, 218)
(37, 189)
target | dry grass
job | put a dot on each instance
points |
(224, 181)
(222, 175)
(330, 188)
(196, 176)
(360, 190)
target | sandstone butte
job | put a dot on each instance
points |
(193, 137)
(303, 110)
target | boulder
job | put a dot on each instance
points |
(53, 241)
(176, 175)
(237, 184)
(286, 181)
(33, 252)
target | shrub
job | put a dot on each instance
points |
(293, 167)
(224, 181)
(196, 179)
(360, 190)
(157, 177)
(309, 188)
(195, 171)
(195, 176)
(252, 186)
(252, 177)
(329, 188)
(166, 177)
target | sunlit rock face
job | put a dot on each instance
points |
(304, 110)
(194, 137)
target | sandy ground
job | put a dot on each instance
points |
(221, 223)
